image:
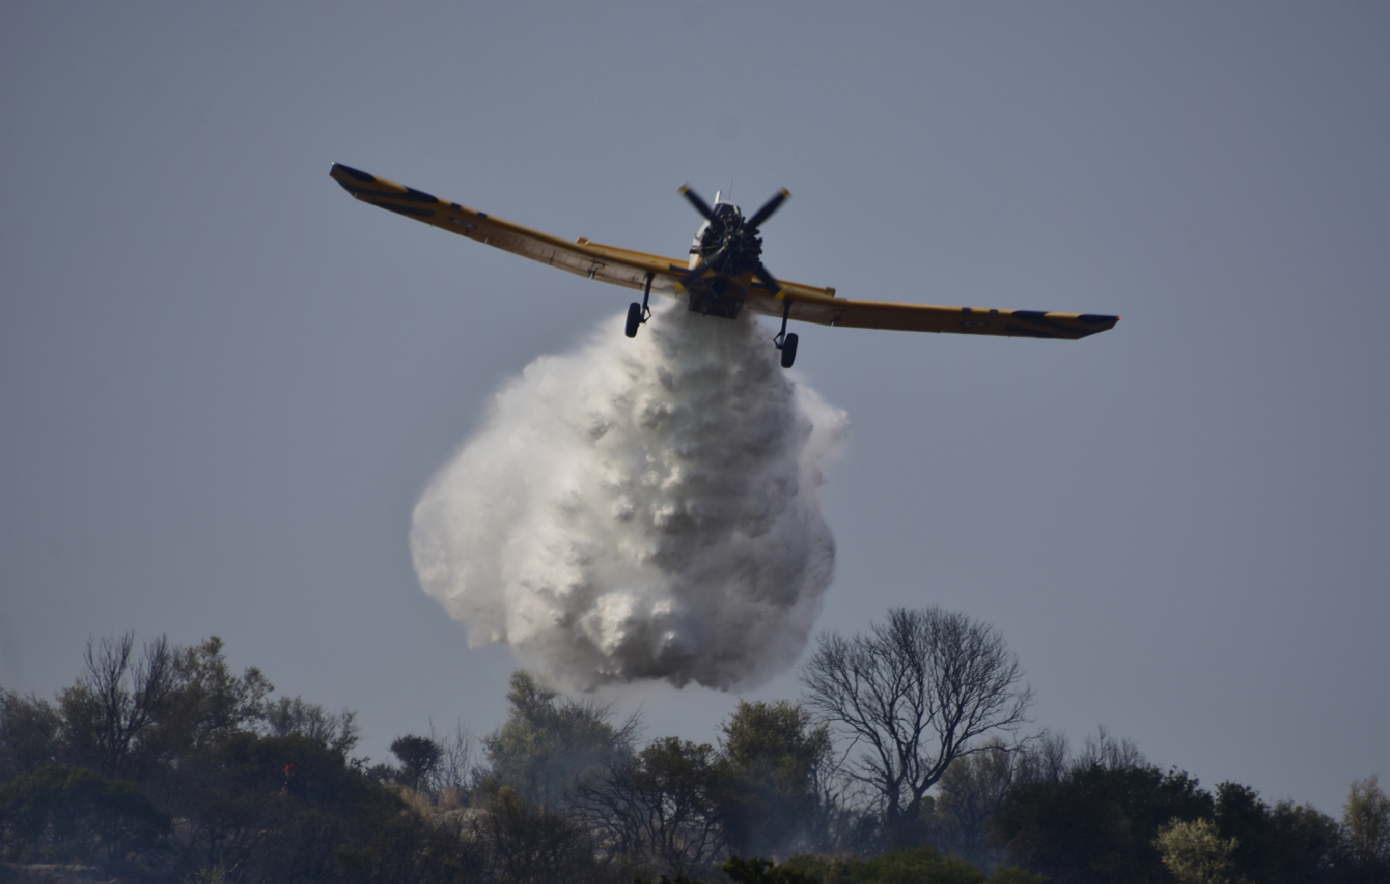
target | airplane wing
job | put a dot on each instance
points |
(605, 263)
(629, 268)
(844, 313)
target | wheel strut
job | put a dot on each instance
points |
(782, 335)
(784, 342)
(639, 313)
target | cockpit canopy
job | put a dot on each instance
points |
(724, 210)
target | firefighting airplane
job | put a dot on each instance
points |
(723, 275)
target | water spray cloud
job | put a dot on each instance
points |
(643, 509)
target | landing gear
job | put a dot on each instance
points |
(788, 349)
(785, 342)
(639, 313)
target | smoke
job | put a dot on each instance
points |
(641, 509)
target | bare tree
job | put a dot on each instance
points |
(1046, 759)
(1104, 751)
(458, 766)
(916, 693)
(116, 699)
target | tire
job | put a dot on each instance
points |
(789, 350)
(634, 319)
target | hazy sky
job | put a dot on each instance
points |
(224, 384)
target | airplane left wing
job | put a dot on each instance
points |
(844, 313)
(604, 263)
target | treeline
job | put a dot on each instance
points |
(903, 761)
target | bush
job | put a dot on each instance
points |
(64, 813)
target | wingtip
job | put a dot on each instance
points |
(342, 172)
(682, 189)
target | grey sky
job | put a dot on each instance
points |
(224, 384)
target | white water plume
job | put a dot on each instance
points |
(641, 509)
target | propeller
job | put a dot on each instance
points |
(740, 238)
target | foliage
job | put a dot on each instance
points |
(918, 691)
(548, 744)
(408, 847)
(1366, 821)
(761, 871)
(1098, 824)
(1285, 844)
(291, 715)
(1194, 853)
(972, 792)
(775, 762)
(660, 808)
(107, 712)
(207, 701)
(63, 813)
(161, 764)
(419, 757)
(528, 843)
(913, 865)
(29, 728)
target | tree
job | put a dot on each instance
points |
(1099, 823)
(1286, 844)
(292, 716)
(549, 743)
(1194, 853)
(775, 761)
(917, 692)
(972, 791)
(28, 734)
(660, 807)
(456, 770)
(107, 712)
(529, 844)
(419, 757)
(1366, 822)
(206, 701)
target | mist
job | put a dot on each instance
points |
(641, 509)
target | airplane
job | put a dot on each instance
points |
(723, 275)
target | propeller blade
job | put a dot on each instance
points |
(767, 277)
(766, 211)
(695, 272)
(700, 205)
(706, 263)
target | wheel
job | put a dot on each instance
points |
(789, 350)
(634, 319)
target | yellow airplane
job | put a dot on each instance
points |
(723, 275)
